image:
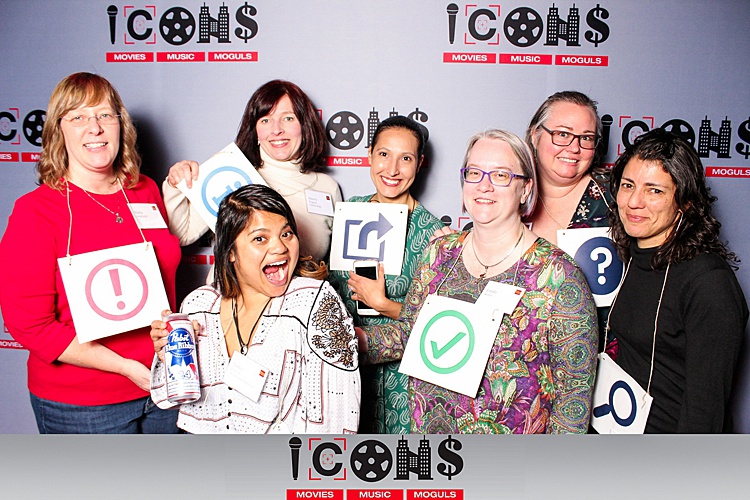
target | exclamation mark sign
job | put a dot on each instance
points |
(114, 276)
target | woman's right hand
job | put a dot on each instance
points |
(185, 169)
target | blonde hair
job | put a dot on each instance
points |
(74, 91)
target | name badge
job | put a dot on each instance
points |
(500, 297)
(147, 216)
(245, 376)
(319, 202)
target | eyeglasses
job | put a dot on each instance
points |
(501, 177)
(564, 138)
(102, 118)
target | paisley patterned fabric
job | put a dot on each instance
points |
(384, 389)
(539, 376)
(592, 211)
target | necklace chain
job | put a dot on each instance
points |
(244, 345)
(544, 205)
(486, 267)
(118, 219)
(411, 202)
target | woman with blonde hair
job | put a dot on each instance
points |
(88, 176)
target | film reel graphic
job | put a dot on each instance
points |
(345, 130)
(177, 26)
(523, 27)
(33, 125)
(681, 128)
(371, 461)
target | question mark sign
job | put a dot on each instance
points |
(601, 267)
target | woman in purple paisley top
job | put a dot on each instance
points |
(540, 371)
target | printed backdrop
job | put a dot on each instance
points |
(186, 69)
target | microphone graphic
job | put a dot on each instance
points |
(452, 11)
(295, 444)
(112, 13)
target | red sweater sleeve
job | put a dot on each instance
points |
(28, 284)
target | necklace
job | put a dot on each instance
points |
(486, 267)
(544, 205)
(118, 219)
(244, 345)
(411, 202)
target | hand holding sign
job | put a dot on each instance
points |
(220, 175)
(369, 231)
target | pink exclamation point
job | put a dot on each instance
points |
(114, 275)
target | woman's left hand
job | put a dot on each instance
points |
(371, 292)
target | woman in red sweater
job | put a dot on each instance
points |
(88, 176)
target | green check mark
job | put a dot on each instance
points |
(437, 353)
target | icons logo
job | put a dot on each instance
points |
(523, 26)
(372, 460)
(177, 25)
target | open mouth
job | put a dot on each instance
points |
(277, 272)
(94, 145)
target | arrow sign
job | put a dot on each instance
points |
(381, 226)
(363, 231)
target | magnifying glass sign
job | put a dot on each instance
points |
(607, 408)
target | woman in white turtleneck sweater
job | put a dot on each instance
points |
(282, 135)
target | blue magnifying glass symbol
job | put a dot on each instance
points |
(605, 409)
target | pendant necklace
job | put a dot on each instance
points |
(244, 345)
(118, 219)
(486, 267)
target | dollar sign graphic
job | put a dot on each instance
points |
(744, 133)
(420, 117)
(455, 463)
(594, 20)
(243, 17)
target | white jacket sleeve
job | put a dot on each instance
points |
(184, 220)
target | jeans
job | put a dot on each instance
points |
(140, 416)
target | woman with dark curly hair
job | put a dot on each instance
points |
(680, 314)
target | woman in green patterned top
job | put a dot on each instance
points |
(396, 153)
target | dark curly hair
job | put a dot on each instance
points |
(313, 151)
(698, 231)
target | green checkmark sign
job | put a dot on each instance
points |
(437, 353)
